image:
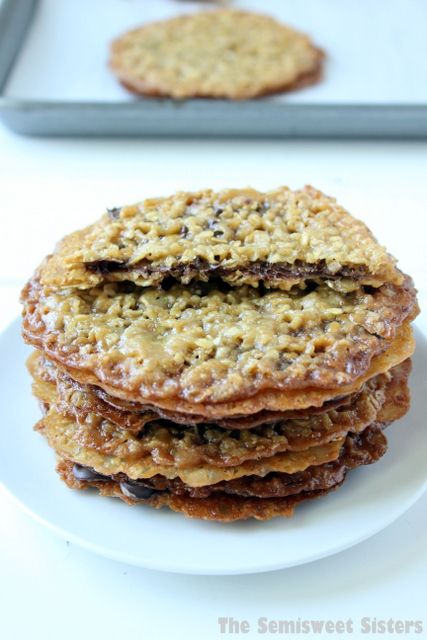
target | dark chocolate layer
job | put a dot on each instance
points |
(200, 269)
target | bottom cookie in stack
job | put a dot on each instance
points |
(208, 470)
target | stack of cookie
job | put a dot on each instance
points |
(226, 354)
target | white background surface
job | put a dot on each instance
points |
(49, 589)
(370, 56)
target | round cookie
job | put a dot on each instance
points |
(209, 346)
(215, 54)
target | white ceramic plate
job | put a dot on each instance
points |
(371, 498)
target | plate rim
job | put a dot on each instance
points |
(104, 552)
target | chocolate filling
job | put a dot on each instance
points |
(87, 474)
(136, 489)
(261, 270)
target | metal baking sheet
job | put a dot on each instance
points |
(54, 78)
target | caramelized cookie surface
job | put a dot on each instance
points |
(216, 54)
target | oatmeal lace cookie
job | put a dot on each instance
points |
(279, 239)
(209, 346)
(215, 54)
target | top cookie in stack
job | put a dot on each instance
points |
(280, 239)
(210, 327)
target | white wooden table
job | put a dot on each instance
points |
(50, 589)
